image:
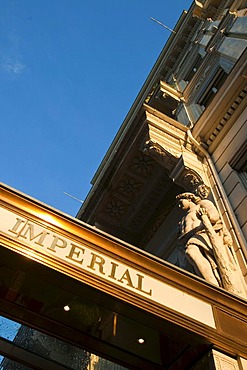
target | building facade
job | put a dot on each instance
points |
(124, 280)
(187, 128)
(186, 131)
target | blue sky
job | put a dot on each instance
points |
(69, 72)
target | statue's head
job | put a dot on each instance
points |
(203, 191)
(189, 198)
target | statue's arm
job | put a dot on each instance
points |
(211, 210)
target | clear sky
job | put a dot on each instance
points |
(69, 73)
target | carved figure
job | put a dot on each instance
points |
(202, 191)
(207, 245)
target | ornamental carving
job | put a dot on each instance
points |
(177, 165)
(190, 180)
(153, 199)
(116, 208)
(128, 186)
(143, 165)
(166, 157)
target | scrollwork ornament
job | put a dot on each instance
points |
(165, 156)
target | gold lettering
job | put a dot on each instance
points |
(75, 251)
(113, 270)
(19, 221)
(97, 260)
(139, 285)
(126, 276)
(27, 232)
(42, 238)
(25, 229)
(57, 242)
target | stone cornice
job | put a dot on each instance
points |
(164, 121)
(168, 90)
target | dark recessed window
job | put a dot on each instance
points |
(213, 87)
(239, 163)
(193, 70)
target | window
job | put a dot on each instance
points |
(193, 70)
(212, 88)
(239, 163)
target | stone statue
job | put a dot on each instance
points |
(206, 244)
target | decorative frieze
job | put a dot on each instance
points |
(224, 362)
